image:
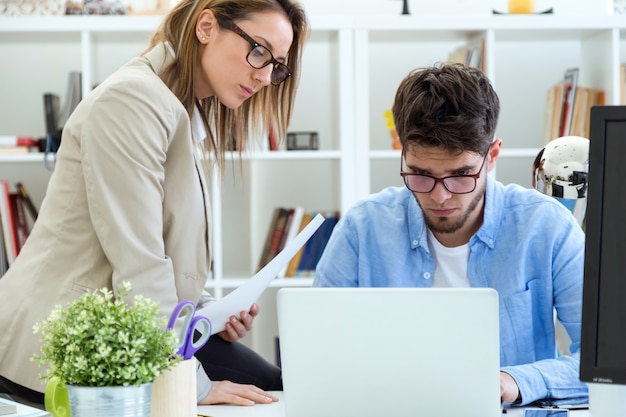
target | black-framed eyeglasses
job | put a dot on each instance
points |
(456, 184)
(259, 56)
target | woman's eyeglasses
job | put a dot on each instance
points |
(259, 56)
(456, 184)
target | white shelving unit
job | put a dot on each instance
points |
(352, 66)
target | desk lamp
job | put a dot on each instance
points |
(560, 170)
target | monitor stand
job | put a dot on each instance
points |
(607, 400)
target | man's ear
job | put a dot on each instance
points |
(494, 153)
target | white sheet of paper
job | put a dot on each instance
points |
(242, 298)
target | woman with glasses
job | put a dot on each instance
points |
(453, 225)
(128, 199)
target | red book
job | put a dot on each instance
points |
(274, 235)
(19, 220)
(8, 231)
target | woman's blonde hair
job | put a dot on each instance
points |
(271, 107)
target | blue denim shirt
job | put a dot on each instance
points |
(529, 248)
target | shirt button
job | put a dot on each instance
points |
(415, 242)
(426, 275)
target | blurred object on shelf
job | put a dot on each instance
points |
(395, 139)
(103, 7)
(521, 6)
(302, 141)
(32, 7)
(148, 7)
(405, 7)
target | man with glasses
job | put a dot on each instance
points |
(453, 225)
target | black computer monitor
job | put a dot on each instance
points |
(603, 338)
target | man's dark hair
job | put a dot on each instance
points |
(448, 106)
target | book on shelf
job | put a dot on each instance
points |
(471, 54)
(4, 262)
(622, 83)
(15, 227)
(585, 99)
(268, 240)
(548, 115)
(292, 267)
(284, 230)
(28, 202)
(11, 141)
(596, 97)
(8, 230)
(314, 248)
(17, 150)
(550, 109)
(294, 225)
(577, 126)
(568, 108)
(570, 80)
(285, 224)
(18, 144)
(559, 109)
(19, 220)
(274, 237)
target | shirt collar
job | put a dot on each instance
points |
(198, 132)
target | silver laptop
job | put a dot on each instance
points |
(401, 352)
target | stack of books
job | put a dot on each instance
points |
(568, 105)
(15, 204)
(285, 224)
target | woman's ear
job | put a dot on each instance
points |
(205, 26)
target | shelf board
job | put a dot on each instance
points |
(519, 152)
(25, 157)
(79, 23)
(283, 155)
(124, 23)
(384, 154)
(479, 22)
(504, 153)
(436, 23)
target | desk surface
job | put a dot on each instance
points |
(277, 409)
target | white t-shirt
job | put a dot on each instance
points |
(451, 264)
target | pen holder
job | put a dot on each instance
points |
(174, 392)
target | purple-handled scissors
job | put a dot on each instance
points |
(187, 347)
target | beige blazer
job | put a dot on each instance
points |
(127, 201)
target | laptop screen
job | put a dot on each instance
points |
(375, 351)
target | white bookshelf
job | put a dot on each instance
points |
(352, 66)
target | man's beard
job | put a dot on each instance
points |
(446, 224)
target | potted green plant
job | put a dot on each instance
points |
(100, 340)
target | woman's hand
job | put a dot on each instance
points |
(238, 327)
(226, 392)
